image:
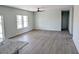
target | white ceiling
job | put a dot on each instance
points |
(43, 7)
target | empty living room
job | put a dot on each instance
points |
(39, 29)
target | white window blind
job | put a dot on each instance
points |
(25, 21)
(19, 21)
(1, 30)
(22, 21)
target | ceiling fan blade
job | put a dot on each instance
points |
(39, 10)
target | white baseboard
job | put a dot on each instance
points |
(48, 29)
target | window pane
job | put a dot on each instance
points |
(1, 36)
(25, 21)
(25, 18)
(25, 24)
(19, 21)
(19, 17)
(0, 19)
(0, 28)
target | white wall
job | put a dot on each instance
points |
(9, 17)
(76, 27)
(49, 20)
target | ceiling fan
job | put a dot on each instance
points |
(39, 10)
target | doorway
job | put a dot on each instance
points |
(65, 20)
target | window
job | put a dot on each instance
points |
(1, 31)
(22, 21)
(25, 21)
(19, 21)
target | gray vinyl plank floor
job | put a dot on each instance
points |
(47, 42)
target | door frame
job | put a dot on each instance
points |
(68, 19)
